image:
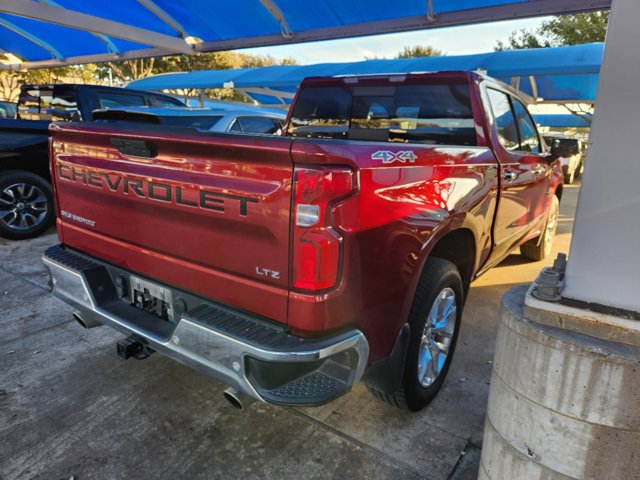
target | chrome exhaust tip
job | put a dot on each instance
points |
(238, 400)
(85, 322)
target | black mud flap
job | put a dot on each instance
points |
(385, 375)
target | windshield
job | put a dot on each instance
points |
(431, 114)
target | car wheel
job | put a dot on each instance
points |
(26, 205)
(434, 322)
(540, 247)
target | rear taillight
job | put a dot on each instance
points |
(317, 247)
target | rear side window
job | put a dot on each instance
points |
(29, 105)
(115, 100)
(529, 141)
(505, 120)
(431, 114)
(57, 104)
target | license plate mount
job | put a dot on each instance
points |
(152, 298)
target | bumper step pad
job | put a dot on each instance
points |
(315, 385)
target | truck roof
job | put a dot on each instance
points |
(401, 77)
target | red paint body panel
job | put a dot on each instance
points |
(388, 225)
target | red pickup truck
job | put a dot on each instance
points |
(292, 267)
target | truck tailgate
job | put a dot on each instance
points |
(201, 212)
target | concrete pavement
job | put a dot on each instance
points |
(70, 407)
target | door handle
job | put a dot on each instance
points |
(136, 148)
(509, 176)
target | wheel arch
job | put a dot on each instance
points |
(459, 247)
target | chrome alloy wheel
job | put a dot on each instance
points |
(436, 337)
(22, 206)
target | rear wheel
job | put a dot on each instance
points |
(26, 205)
(435, 321)
(540, 247)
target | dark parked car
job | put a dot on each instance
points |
(26, 202)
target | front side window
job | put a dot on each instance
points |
(438, 113)
(505, 120)
(529, 140)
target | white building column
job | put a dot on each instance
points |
(604, 260)
(566, 372)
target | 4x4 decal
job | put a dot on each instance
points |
(389, 157)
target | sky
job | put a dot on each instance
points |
(463, 40)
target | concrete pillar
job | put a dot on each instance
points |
(562, 405)
(604, 261)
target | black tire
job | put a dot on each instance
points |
(540, 247)
(437, 277)
(26, 205)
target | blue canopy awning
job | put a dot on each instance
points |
(60, 32)
(558, 75)
(561, 120)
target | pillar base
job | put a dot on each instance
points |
(562, 404)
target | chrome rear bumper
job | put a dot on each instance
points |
(249, 354)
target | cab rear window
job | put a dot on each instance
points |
(430, 114)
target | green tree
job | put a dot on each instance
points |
(419, 51)
(559, 31)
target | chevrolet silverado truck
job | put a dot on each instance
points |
(290, 267)
(26, 201)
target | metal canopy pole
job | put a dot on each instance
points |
(604, 261)
(31, 37)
